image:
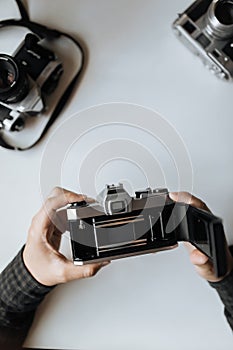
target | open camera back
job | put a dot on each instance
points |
(118, 226)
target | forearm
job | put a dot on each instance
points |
(225, 291)
(20, 295)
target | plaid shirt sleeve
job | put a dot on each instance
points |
(20, 294)
(225, 291)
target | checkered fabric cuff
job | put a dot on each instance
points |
(225, 286)
(19, 290)
(225, 291)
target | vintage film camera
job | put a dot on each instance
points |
(26, 79)
(206, 28)
(119, 225)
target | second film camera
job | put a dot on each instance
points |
(26, 79)
(206, 28)
(118, 225)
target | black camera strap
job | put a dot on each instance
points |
(43, 32)
(23, 12)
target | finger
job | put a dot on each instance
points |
(198, 258)
(189, 247)
(206, 271)
(61, 197)
(58, 191)
(73, 272)
(46, 214)
(187, 198)
(184, 197)
(203, 265)
(60, 218)
(54, 238)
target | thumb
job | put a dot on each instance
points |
(203, 265)
(73, 272)
(197, 258)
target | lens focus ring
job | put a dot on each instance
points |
(219, 19)
(14, 83)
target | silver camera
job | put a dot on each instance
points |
(26, 79)
(118, 225)
(206, 28)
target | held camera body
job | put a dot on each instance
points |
(206, 28)
(120, 226)
(26, 78)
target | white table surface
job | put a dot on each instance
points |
(155, 301)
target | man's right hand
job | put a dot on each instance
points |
(203, 265)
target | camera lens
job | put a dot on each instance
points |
(14, 83)
(7, 75)
(224, 12)
(219, 19)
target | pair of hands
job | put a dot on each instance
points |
(49, 267)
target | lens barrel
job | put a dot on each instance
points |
(224, 12)
(14, 83)
(219, 19)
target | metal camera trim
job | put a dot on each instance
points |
(214, 27)
(206, 37)
(7, 58)
(33, 102)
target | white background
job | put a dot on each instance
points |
(151, 302)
